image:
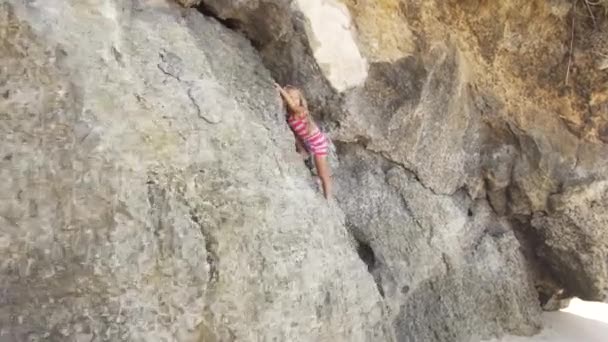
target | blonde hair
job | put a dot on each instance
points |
(304, 105)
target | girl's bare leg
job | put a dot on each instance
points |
(323, 172)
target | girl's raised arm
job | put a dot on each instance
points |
(291, 104)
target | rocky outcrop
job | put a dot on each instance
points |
(448, 268)
(574, 242)
(151, 192)
(546, 141)
(476, 111)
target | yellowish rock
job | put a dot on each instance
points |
(382, 29)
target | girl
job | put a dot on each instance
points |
(309, 138)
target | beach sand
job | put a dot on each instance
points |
(580, 322)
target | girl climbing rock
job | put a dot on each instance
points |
(309, 138)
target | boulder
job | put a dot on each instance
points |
(151, 191)
(462, 98)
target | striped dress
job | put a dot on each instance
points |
(315, 142)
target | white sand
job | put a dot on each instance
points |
(580, 322)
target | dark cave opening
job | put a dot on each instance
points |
(368, 256)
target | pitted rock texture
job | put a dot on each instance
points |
(572, 242)
(448, 268)
(476, 109)
(151, 192)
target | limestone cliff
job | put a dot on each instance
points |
(151, 192)
(496, 105)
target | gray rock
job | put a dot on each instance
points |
(477, 115)
(418, 118)
(574, 238)
(447, 267)
(151, 192)
(189, 3)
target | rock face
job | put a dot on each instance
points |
(448, 268)
(573, 241)
(151, 191)
(468, 141)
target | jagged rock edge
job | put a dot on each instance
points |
(333, 101)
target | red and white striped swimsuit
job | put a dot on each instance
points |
(315, 142)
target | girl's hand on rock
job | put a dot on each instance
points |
(279, 89)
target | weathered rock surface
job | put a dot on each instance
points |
(151, 192)
(448, 268)
(573, 242)
(477, 111)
